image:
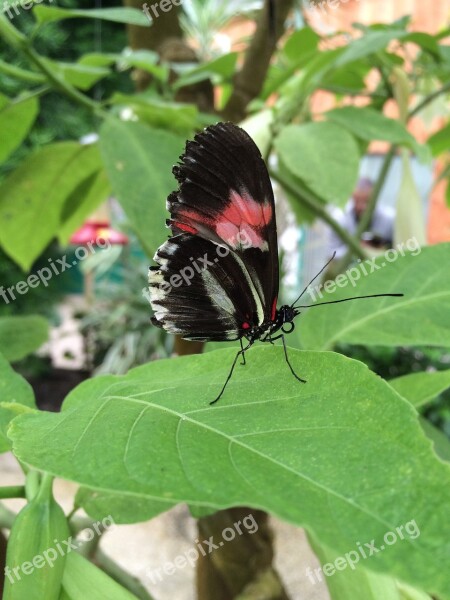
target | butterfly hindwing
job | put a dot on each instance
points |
(194, 293)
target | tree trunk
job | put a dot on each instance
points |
(249, 81)
(240, 569)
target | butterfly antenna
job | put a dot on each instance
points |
(354, 298)
(313, 279)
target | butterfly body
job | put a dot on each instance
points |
(264, 332)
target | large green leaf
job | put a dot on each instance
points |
(427, 42)
(342, 455)
(19, 336)
(82, 579)
(314, 153)
(132, 16)
(370, 43)
(82, 202)
(138, 161)
(369, 124)
(14, 390)
(219, 68)
(79, 75)
(180, 118)
(421, 388)
(299, 51)
(346, 582)
(421, 317)
(33, 196)
(300, 45)
(440, 141)
(440, 441)
(16, 119)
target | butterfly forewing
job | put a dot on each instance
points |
(224, 210)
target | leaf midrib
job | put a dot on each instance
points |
(231, 440)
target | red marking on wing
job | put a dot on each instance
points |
(241, 221)
(274, 309)
(243, 209)
(239, 224)
(185, 227)
(245, 325)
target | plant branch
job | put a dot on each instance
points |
(21, 43)
(249, 81)
(33, 93)
(368, 213)
(19, 73)
(59, 83)
(121, 576)
(424, 103)
(12, 491)
(307, 199)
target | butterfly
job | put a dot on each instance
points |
(216, 277)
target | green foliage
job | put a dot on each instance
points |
(136, 158)
(21, 335)
(40, 188)
(421, 388)
(313, 152)
(357, 583)
(345, 455)
(38, 527)
(83, 580)
(16, 395)
(117, 325)
(369, 124)
(314, 478)
(132, 16)
(421, 317)
(16, 119)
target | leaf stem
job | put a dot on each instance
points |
(304, 197)
(445, 88)
(19, 73)
(121, 576)
(58, 82)
(32, 484)
(12, 491)
(22, 44)
(368, 213)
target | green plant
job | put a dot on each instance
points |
(346, 456)
(117, 326)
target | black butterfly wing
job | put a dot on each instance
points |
(224, 201)
(197, 290)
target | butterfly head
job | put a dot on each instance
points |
(284, 318)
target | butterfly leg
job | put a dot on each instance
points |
(287, 360)
(243, 352)
(240, 353)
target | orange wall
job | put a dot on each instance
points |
(431, 16)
